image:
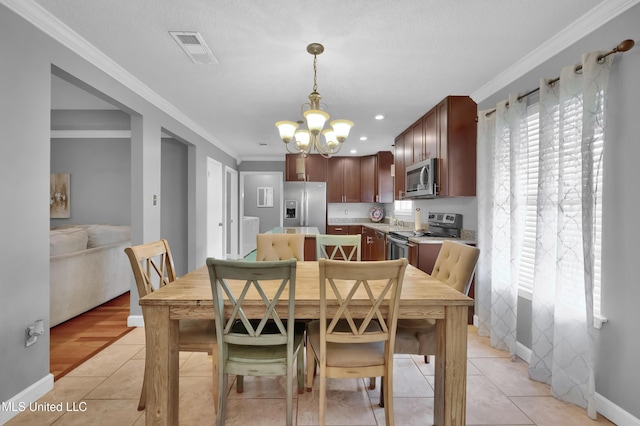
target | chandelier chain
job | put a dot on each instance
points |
(315, 73)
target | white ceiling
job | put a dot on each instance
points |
(396, 58)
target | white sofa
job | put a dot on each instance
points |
(88, 267)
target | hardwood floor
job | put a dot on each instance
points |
(79, 338)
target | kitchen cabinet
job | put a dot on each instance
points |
(376, 182)
(417, 141)
(374, 244)
(312, 168)
(456, 135)
(309, 249)
(398, 164)
(344, 229)
(447, 132)
(343, 180)
(413, 254)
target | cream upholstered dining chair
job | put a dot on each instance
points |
(348, 347)
(455, 266)
(280, 246)
(153, 267)
(256, 347)
(338, 247)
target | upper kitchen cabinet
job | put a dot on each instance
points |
(455, 134)
(447, 132)
(376, 182)
(313, 168)
(343, 180)
(398, 164)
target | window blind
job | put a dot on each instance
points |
(571, 156)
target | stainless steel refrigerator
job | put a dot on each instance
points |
(305, 204)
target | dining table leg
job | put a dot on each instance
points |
(161, 366)
(450, 400)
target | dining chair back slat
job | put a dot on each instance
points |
(338, 247)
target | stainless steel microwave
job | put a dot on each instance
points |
(421, 179)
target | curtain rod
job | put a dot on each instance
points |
(622, 47)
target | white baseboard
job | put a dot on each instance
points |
(135, 321)
(21, 401)
(615, 414)
(608, 409)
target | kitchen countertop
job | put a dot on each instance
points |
(308, 231)
(386, 228)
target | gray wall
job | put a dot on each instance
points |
(174, 201)
(25, 163)
(269, 216)
(100, 179)
(617, 373)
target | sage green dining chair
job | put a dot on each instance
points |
(264, 346)
(338, 247)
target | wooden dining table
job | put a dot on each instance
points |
(190, 297)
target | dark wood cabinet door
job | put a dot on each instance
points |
(379, 246)
(337, 230)
(334, 180)
(460, 141)
(431, 130)
(351, 179)
(295, 167)
(399, 177)
(368, 179)
(417, 131)
(316, 168)
(427, 255)
(313, 168)
(384, 180)
(413, 254)
(310, 249)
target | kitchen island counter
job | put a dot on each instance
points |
(308, 231)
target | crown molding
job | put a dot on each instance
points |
(35, 14)
(586, 24)
(264, 158)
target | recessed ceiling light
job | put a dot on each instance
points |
(353, 151)
(363, 138)
(379, 117)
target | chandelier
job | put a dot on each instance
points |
(305, 140)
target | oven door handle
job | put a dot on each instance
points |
(397, 241)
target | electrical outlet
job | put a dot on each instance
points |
(346, 212)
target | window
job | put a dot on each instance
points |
(403, 207)
(571, 171)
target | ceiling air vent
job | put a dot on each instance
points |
(263, 144)
(194, 46)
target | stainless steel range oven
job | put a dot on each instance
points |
(442, 225)
(398, 244)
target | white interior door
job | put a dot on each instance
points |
(215, 210)
(231, 212)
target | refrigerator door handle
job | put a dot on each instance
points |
(306, 208)
(303, 207)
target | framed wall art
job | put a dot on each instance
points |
(59, 196)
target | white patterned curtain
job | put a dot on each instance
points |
(569, 170)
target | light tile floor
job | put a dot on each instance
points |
(105, 391)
